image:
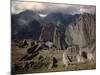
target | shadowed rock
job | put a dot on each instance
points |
(25, 44)
(53, 63)
(40, 57)
(70, 55)
(29, 56)
(32, 49)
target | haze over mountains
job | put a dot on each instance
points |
(61, 24)
(60, 28)
(24, 19)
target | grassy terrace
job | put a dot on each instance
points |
(17, 53)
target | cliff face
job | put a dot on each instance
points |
(54, 33)
(82, 34)
(47, 32)
(62, 30)
(82, 31)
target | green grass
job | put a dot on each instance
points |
(62, 68)
(17, 53)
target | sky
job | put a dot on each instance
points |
(86, 2)
(46, 8)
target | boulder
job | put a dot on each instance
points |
(53, 63)
(70, 55)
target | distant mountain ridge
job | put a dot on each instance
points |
(61, 29)
(21, 21)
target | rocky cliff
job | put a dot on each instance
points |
(53, 33)
(60, 29)
(82, 34)
(82, 31)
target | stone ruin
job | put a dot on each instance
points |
(73, 56)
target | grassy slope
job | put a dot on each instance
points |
(17, 53)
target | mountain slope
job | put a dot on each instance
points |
(82, 31)
(26, 25)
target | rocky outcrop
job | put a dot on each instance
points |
(54, 33)
(70, 55)
(74, 55)
(82, 31)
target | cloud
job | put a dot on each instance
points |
(46, 8)
(88, 9)
(20, 6)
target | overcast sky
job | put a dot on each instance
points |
(46, 8)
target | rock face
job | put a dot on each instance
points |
(81, 32)
(55, 34)
(70, 55)
(60, 29)
(47, 32)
